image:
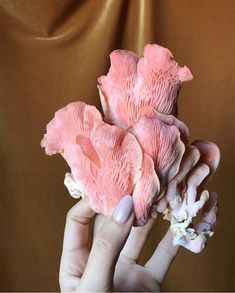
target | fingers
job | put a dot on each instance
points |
(138, 236)
(162, 258)
(136, 241)
(99, 221)
(75, 245)
(98, 275)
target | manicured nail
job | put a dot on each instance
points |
(123, 210)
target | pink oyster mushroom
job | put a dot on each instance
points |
(132, 84)
(162, 137)
(145, 153)
(186, 199)
(106, 161)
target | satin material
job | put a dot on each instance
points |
(51, 53)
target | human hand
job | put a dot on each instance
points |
(112, 263)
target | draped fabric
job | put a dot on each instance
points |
(51, 53)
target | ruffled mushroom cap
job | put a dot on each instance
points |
(106, 161)
(68, 134)
(161, 137)
(186, 199)
(133, 83)
(75, 119)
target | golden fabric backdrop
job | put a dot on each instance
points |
(52, 52)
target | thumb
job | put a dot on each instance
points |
(108, 243)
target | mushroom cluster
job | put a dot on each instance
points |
(139, 148)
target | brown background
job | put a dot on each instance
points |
(51, 54)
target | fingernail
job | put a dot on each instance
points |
(123, 210)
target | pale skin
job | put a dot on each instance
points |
(112, 263)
